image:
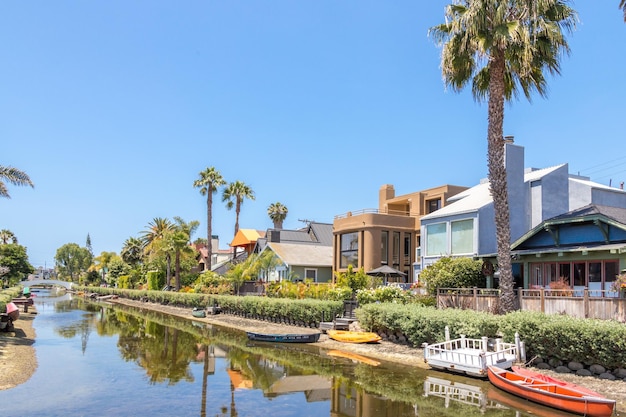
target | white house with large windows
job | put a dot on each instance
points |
(466, 225)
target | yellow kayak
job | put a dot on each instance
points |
(353, 337)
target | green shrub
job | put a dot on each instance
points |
(453, 273)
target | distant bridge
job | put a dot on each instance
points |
(53, 282)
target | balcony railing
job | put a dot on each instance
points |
(373, 211)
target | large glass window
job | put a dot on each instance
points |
(433, 205)
(462, 237)
(384, 247)
(349, 249)
(611, 271)
(396, 248)
(580, 274)
(407, 249)
(436, 239)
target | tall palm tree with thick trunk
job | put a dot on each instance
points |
(210, 180)
(13, 176)
(233, 195)
(278, 213)
(502, 47)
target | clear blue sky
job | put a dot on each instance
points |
(114, 107)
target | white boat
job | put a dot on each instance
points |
(473, 356)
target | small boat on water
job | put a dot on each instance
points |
(198, 312)
(546, 378)
(349, 336)
(284, 338)
(550, 394)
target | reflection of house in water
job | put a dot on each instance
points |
(352, 402)
(454, 391)
(314, 387)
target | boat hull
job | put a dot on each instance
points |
(546, 378)
(198, 313)
(348, 336)
(284, 338)
(550, 394)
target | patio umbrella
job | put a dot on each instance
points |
(386, 272)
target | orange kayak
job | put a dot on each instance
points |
(353, 337)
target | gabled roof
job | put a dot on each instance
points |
(614, 216)
(245, 237)
(479, 195)
(303, 255)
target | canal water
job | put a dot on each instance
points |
(97, 359)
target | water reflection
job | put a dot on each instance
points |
(191, 368)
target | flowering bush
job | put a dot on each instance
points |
(619, 284)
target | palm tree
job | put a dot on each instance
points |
(277, 212)
(132, 251)
(622, 5)
(154, 243)
(182, 240)
(234, 195)
(210, 180)
(502, 47)
(7, 236)
(15, 177)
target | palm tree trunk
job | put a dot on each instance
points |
(168, 259)
(177, 270)
(209, 219)
(498, 179)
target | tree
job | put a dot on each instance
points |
(7, 236)
(102, 263)
(622, 5)
(132, 251)
(233, 195)
(88, 244)
(14, 258)
(13, 176)
(210, 180)
(502, 47)
(154, 245)
(181, 241)
(277, 212)
(72, 261)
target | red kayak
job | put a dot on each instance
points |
(550, 394)
(545, 378)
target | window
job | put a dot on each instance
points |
(349, 249)
(310, 274)
(436, 239)
(396, 248)
(595, 271)
(433, 205)
(407, 249)
(462, 236)
(384, 247)
(536, 277)
(611, 271)
(580, 276)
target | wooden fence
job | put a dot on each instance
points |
(576, 303)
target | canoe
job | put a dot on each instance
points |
(353, 357)
(353, 337)
(284, 338)
(198, 312)
(537, 375)
(550, 394)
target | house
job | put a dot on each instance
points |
(466, 226)
(305, 253)
(389, 235)
(583, 248)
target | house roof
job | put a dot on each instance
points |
(245, 237)
(479, 195)
(302, 255)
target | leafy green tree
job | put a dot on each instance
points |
(453, 273)
(102, 263)
(15, 259)
(155, 245)
(13, 176)
(502, 47)
(117, 267)
(278, 213)
(7, 236)
(72, 261)
(182, 240)
(354, 280)
(208, 183)
(234, 195)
